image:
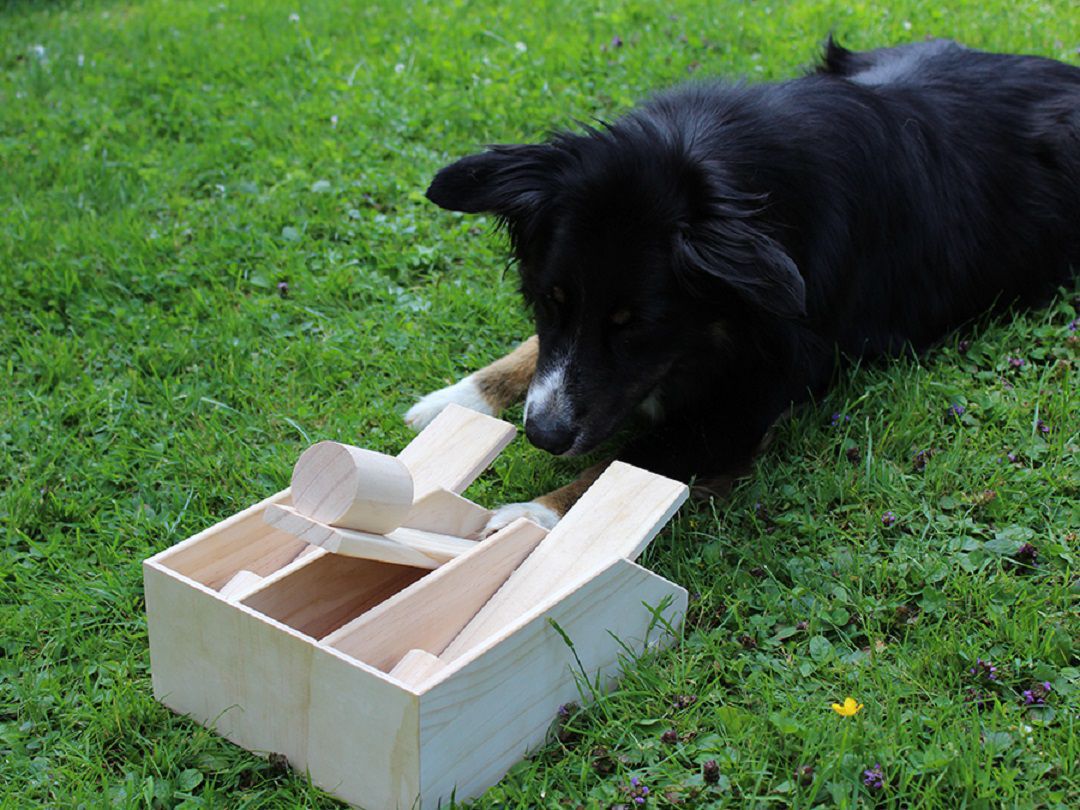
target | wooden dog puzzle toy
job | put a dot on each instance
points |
(360, 625)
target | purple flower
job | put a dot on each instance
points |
(710, 772)
(1037, 694)
(1016, 362)
(1026, 554)
(636, 791)
(984, 670)
(923, 456)
(837, 418)
(1074, 324)
(956, 409)
(616, 41)
(1011, 457)
(979, 698)
(873, 778)
(888, 519)
(283, 289)
(963, 346)
(1042, 427)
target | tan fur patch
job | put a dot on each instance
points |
(560, 500)
(506, 381)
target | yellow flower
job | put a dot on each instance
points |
(849, 708)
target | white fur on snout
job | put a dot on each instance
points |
(464, 392)
(547, 394)
(505, 515)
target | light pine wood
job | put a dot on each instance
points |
(454, 449)
(484, 713)
(353, 488)
(618, 516)
(394, 685)
(417, 666)
(242, 583)
(268, 688)
(448, 513)
(330, 591)
(241, 542)
(431, 612)
(404, 546)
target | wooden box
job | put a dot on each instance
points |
(298, 664)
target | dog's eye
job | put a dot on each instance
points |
(557, 295)
(621, 317)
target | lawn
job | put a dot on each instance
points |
(215, 249)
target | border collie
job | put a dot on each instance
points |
(709, 256)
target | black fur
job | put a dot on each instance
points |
(748, 234)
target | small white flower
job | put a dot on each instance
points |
(80, 60)
(333, 121)
(521, 47)
(399, 68)
(294, 17)
(907, 25)
(38, 51)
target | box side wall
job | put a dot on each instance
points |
(270, 689)
(240, 542)
(487, 715)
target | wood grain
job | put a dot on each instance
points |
(618, 516)
(454, 449)
(430, 613)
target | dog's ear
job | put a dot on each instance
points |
(728, 247)
(509, 181)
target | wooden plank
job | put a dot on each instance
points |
(417, 666)
(616, 517)
(243, 583)
(270, 689)
(429, 613)
(448, 513)
(241, 542)
(486, 712)
(413, 547)
(454, 449)
(330, 591)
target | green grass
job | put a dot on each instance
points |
(164, 165)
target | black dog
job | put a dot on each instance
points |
(712, 253)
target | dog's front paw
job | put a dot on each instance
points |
(505, 515)
(464, 392)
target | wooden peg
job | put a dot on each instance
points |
(340, 485)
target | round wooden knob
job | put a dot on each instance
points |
(353, 488)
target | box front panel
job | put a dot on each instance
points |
(486, 716)
(269, 689)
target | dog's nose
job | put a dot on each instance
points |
(553, 435)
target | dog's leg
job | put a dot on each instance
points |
(489, 390)
(547, 509)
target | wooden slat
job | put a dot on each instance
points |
(417, 666)
(454, 449)
(617, 517)
(413, 547)
(430, 613)
(447, 512)
(243, 583)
